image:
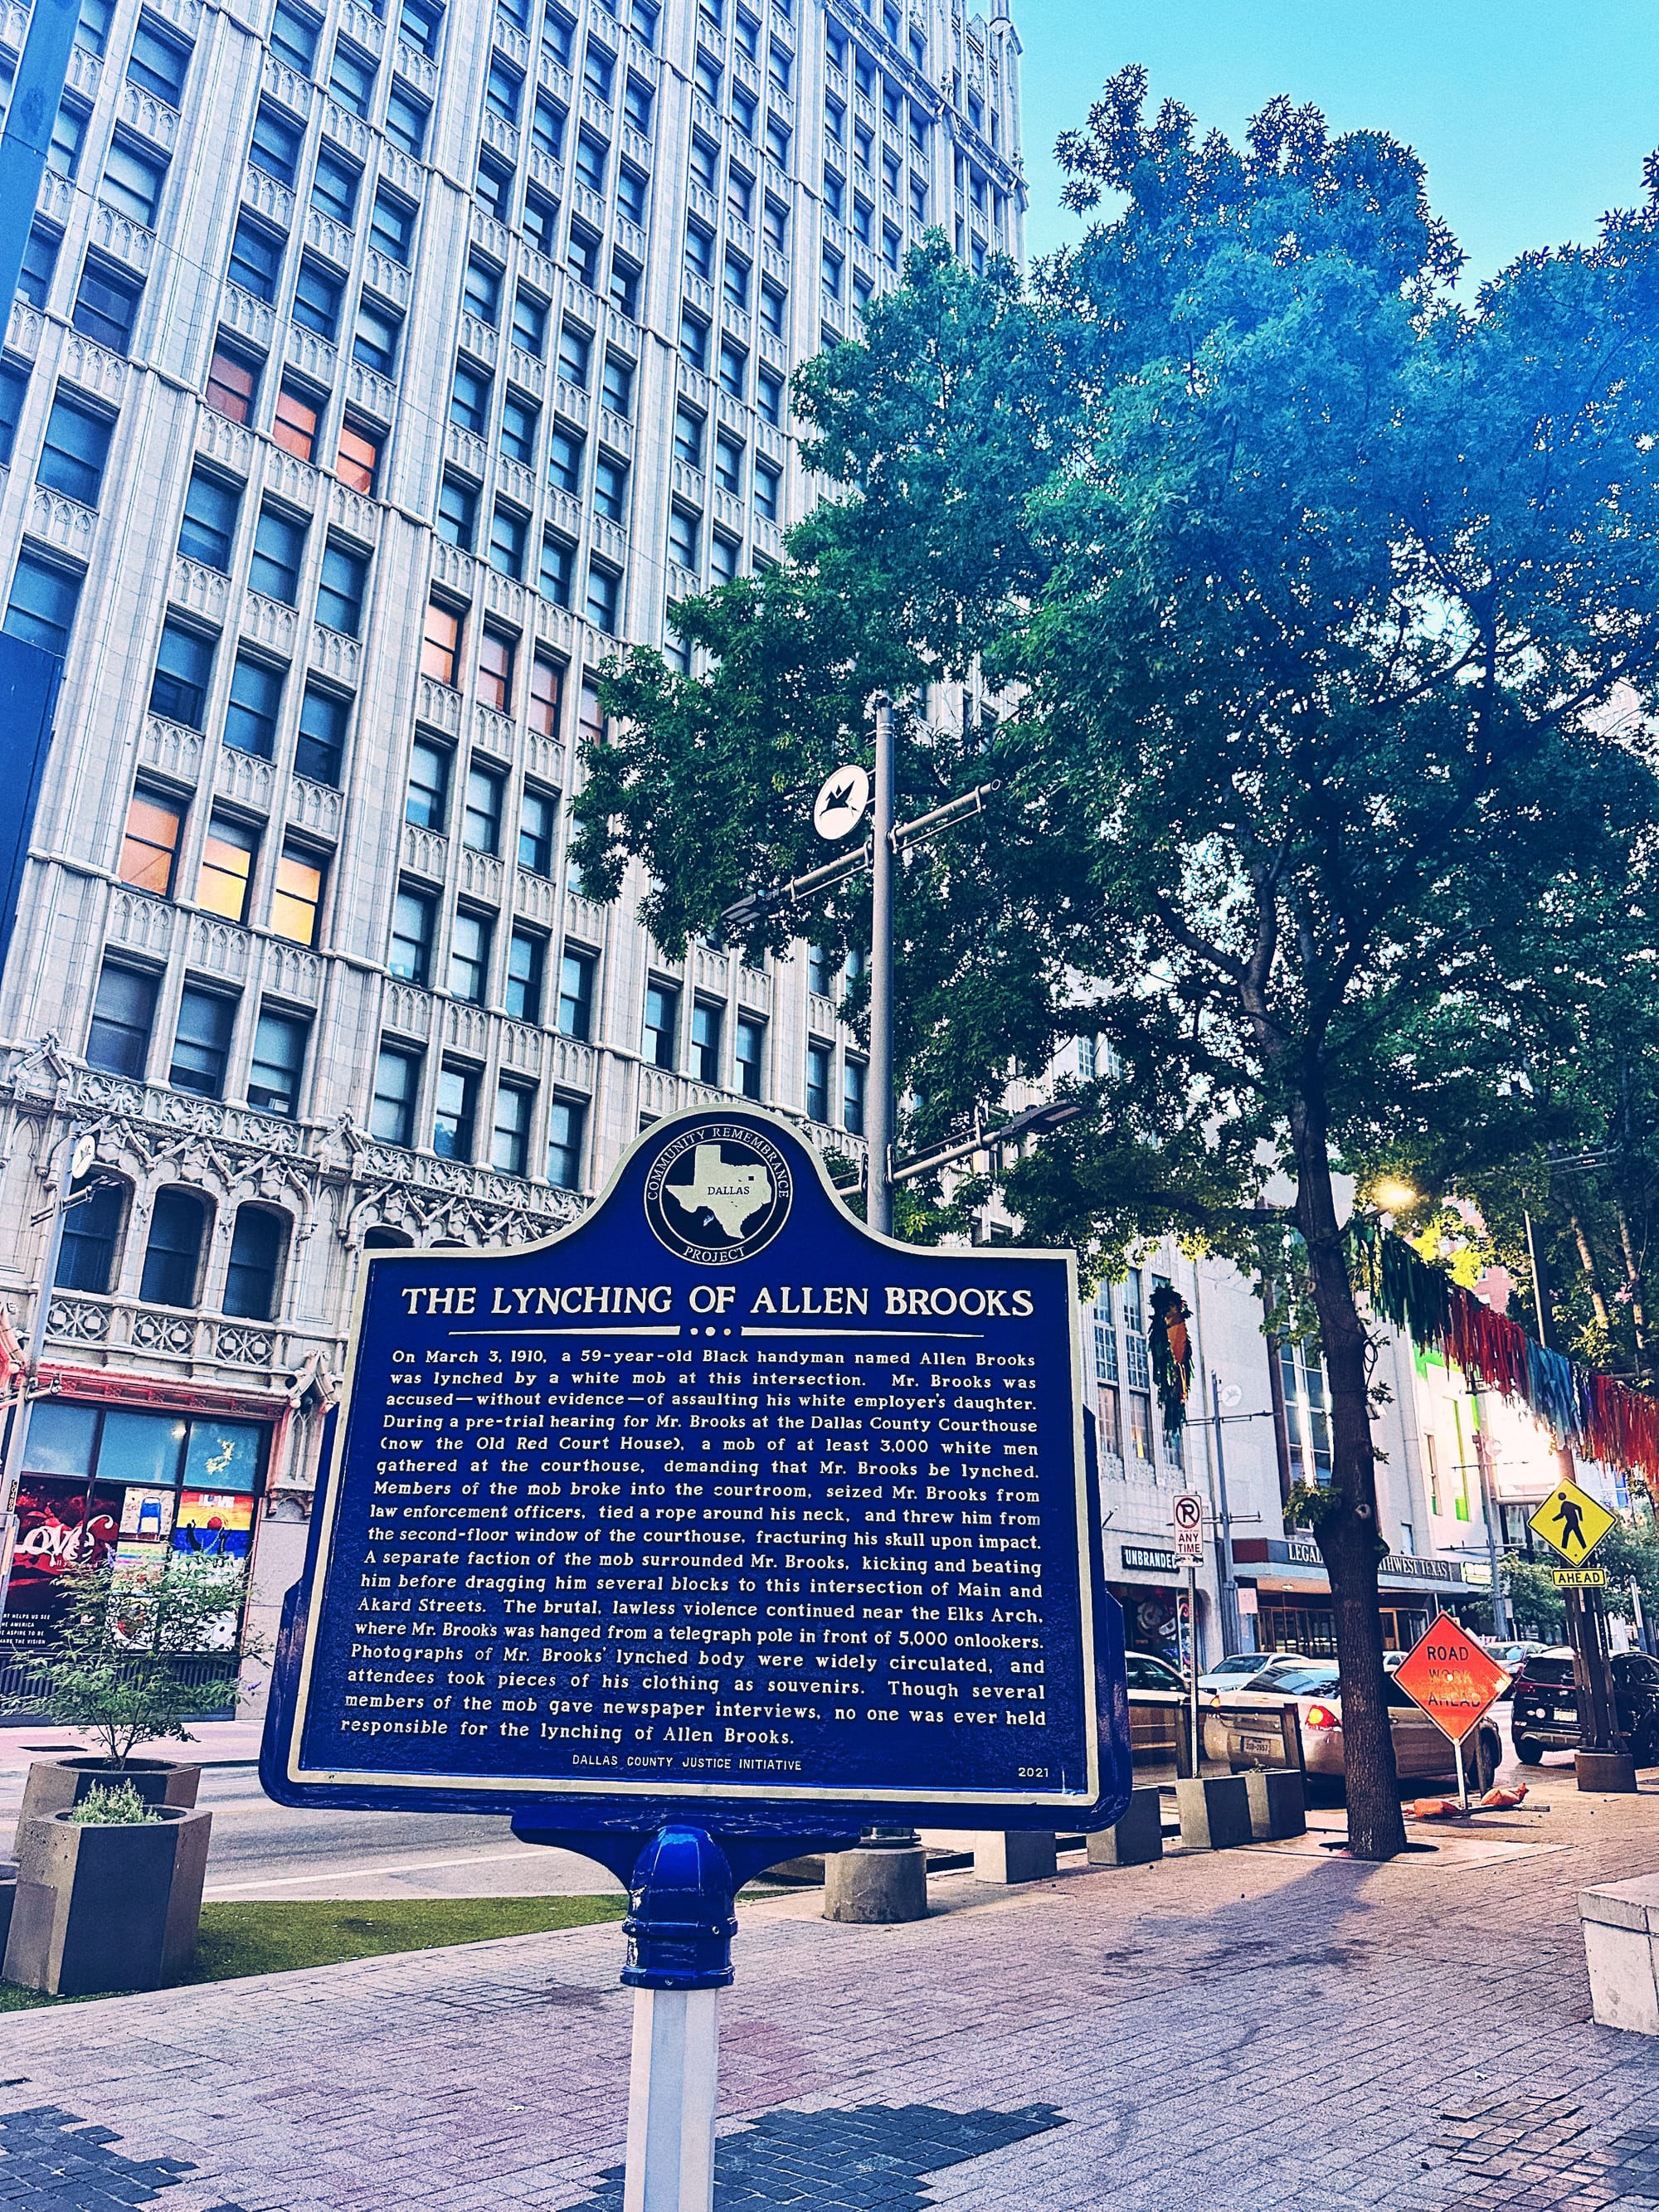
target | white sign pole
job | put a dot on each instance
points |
(1188, 1517)
(672, 2086)
(1192, 1654)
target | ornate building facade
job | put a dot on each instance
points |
(377, 369)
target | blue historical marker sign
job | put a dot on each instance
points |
(716, 1507)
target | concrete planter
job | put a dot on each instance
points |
(107, 1908)
(873, 1886)
(1015, 1855)
(1620, 1922)
(1215, 1813)
(1138, 1838)
(55, 1784)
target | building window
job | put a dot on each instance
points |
(694, 342)
(40, 266)
(469, 399)
(503, 91)
(275, 149)
(1307, 1416)
(409, 958)
(375, 342)
(457, 1106)
(617, 389)
(406, 118)
(662, 1018)
(496, 655)
(819, 1058)
(256, 1260)
(525, 958)
(768, 500)
(530, 323)
(633, 193)
(105, 308)
(340, 591)
(728, 462)
(536, 820)
(642, 20)
(392, 228)
(700, 250)
(397, 1084)
(604, 597)
(440, 645)
(317, 296)
(493, 187)
(320, 749)
(734, 368)
(508, 531)
(421, 25)
(334, 189)
(684, 537)
(131, 185)
(293, 38)
(297, 898)
(256, 699)
(774, 308)
(149, 848)
(184, 665)
(426, 801)
(173, 1256)
(481, 814)
(557, 579)
(159, 63)
(610, 488)
(852, 1096)
(565, 453)
(541, 222)
(750, 1054)
(565, 1120)
(279, 1058)
(769, 397)
(481, 291)
(509, 1142)
(547, 122)
(575, 355)
(576, 972)
(122, 1013)
(546, 689)
(520, 420)
(707, 1029)
(209, 521)
(725, 557)
(69, 130)
(92, 1230)
(593, 160)
(75, 450)
(221, 884)
(201, 1043)
(294, 426)
(351, 80)
(233, 384)
(359, 460)
(457, 522)
(279, 546)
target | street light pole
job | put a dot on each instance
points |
(1231, 1635)
(879, 1204)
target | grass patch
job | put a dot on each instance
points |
(259, 1938)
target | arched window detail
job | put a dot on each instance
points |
(386, 1240)
(91, 1234)
(256, 1263)
(173, 1258)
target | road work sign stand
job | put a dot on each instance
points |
(712, 1532)
(1456, 1682)
(1572, 1523)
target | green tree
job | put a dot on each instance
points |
(114, 1670)
(1303, 590)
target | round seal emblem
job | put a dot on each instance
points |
(717, 1192)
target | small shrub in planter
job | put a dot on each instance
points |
(104, 1807)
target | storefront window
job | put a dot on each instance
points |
(61, 1439)
(1307, 1414)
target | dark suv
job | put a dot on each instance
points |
(1544, 1716)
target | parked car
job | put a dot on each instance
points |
(1544, 1713)
(1511, 1657)
(1232, 1673)
(1157, 1691)
(1421, 1753)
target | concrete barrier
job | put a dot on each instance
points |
(1278, 1804)
(1620, 1924)
(1014, 1855)
(1138, 1838)
(1215, 1813)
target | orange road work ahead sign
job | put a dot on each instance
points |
(1451, 1677)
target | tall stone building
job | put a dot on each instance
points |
(377, 369)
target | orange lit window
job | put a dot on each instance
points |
(441, 648)
(150, 847)
(495, 671)
(226, 864)
(544, 688)
(359, 461)
(295, 427)
(231, 385)
(298, 895)
(593, 720)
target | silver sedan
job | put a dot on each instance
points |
(1421, 1752)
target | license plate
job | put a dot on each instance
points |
(1566, 1714)
(1260, 1746)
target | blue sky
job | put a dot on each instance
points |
(1533, 115)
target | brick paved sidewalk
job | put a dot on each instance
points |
(1245, 2032)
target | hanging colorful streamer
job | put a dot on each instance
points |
(1170, 1348)
(1598, 1419)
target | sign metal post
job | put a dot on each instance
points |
(1187, 1513)
(712, 1531)
(1572, 1523)
(1455, 1680)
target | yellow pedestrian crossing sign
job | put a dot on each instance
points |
(1572, 1523)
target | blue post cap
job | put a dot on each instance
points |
(680, 1922)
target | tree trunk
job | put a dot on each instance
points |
(1592, 1274)
(1347, 1529)
(1638, 1318)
